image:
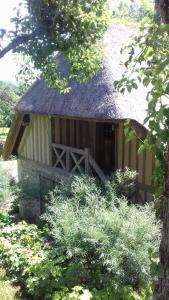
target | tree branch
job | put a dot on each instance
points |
(22, 39)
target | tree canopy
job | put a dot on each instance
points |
(135, 10)
(44, 27)
(9, 96)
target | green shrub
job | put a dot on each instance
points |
(7, 291)
(93, 246)
(105, 243)
(20, 245)
(121, 183)
(80, 293)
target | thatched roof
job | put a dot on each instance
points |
(95, 99)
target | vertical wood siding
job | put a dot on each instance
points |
(35, 141)
(74, 133)
(143, 163)
(42, 131)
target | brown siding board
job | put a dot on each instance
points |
(120, 145)
(58, 130)
(91, 135)
(77, 134)
(126, 154)
(68, 132)
(130, 157)
(133, 154)
(149, 167)
(116, 146)
(72, 133)
(64, 141)
(84, 136)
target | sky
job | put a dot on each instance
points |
(7, 64)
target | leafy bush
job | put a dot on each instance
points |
(121, 183)
(79, 293)
(106, 243)
(7, 291)
(8, 99)
(18, 243)
(93, 247)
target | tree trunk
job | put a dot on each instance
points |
(161, 289)
(162, 6)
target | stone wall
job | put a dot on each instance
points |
(40, 177)
(29, 206)
(26, 169)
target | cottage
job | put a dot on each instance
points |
(54, 135)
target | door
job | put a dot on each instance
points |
(105, 146)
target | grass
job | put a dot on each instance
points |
(3, 133)
(7, 290)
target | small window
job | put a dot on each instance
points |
(108, 130)
(26, 120)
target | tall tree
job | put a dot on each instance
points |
(161, 291)
(162, 6)
(44, 27)
(8, 99)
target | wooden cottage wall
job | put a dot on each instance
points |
(36, 140)
(74, 133)
(143, 163)
(42, 131)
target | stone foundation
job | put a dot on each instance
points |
(26, 170)
(40, 176)
(29, 210)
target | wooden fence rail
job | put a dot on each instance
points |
(73, 160)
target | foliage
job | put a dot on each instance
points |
(147, 64)
(93, 247)
(121, 183)
(26, 73)
(7, 291)
(18, 243)
(78, 293)
(44, 27)
(8, 99)
(3, 133)
(135, 10)
(103, 248)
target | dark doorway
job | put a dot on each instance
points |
(105, 146)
